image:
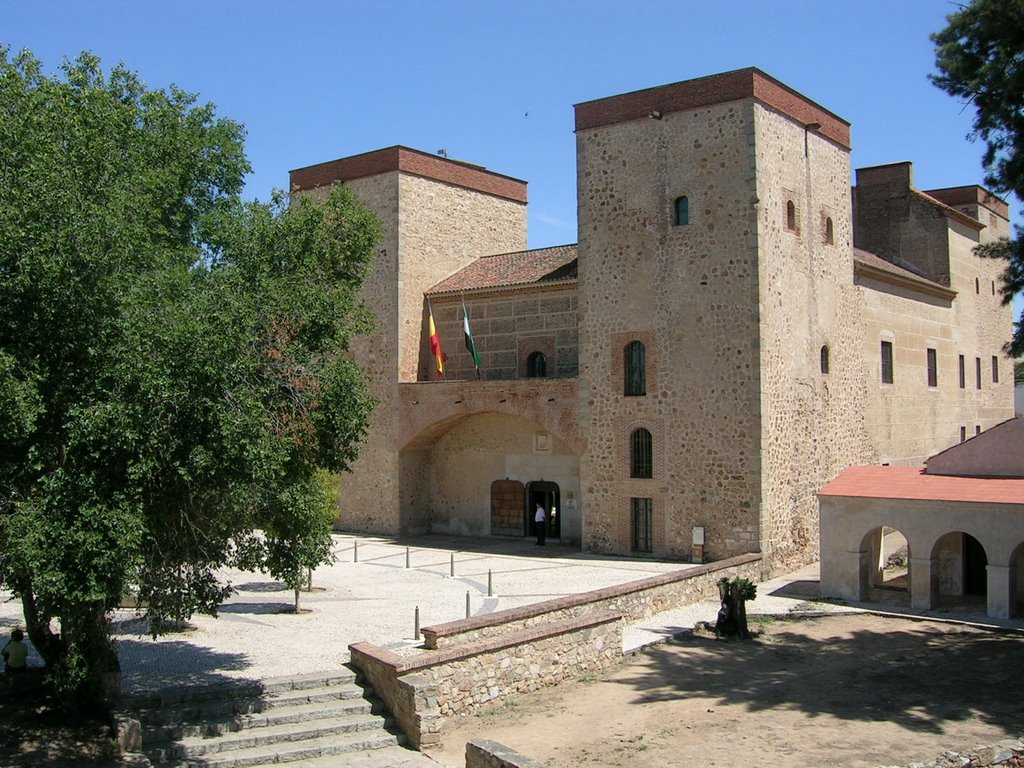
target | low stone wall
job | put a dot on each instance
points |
(634, 601)
(421, 690)
(482, 753)
(1005, 753)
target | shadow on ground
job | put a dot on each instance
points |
(194, 665)
(918, 677)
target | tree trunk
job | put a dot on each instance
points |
(732, 617)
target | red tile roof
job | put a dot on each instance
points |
(504, 270)
(913, 483)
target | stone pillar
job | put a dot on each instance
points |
(924, 582)
(1000, 591)
(877, 562)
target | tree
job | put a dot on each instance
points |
(173, 376)
(980, 58)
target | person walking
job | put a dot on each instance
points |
(540, 520)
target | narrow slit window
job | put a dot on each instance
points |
(995, 369)
(933, 368)
(829, 235)
(963, 373)
(825, 359)
(886, 361)
(681, 211)
(977, 373)
(790, 216)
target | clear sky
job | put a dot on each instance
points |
(493, 83)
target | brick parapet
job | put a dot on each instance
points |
(970, 195)
(706, 91)
(413, 162)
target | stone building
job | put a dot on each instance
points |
(732, 330)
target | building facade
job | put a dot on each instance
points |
(733, 329)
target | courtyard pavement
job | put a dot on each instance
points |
(373, 589)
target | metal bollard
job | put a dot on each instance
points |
(416, 625)
(452, 572)
(490, 591)
(406, 557)
(467, 605)
(355, 551)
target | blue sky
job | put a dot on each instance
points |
(494, 82)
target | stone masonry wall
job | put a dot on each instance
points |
(812, 425)
(691, 292)
(506, 328)
(484, 753)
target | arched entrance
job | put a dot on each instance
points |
(885, 566)
(962, 570)
(547, 494)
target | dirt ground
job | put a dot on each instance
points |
(853, 690)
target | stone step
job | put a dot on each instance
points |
(311, 749)
(248, 702)
(299, 713)
(241, 688)
(270, 736)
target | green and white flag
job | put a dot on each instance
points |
(470, 344)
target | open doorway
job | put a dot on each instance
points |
(546, 494)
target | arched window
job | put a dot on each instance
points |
(824, 358)
(636, 369)
(829, 236)
(790, 216)
(681, 211)
(641, 463)
(536, 366)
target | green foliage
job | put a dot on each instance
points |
(978, 57)
(747, 588)
(173, 375)
(1018, 373)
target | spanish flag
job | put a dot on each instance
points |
(435, 344)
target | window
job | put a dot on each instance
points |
(977, 429)
(636, 369)
(829, 236)
(977, 286)
(640, 454)
(887, 362)
(962, 373)
(681, 211)
(995, 369)
(642, 523)
(790, 216)
(933, 368)
(977, 373)
(993, 287)
(536, 366)
(963, 434)
(824, 358)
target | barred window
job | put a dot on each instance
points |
(642, 525)
(640, 454)
(636, 369)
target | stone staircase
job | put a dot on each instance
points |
(279, 720)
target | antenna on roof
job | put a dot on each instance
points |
(443, 152)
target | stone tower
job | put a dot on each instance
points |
(715, 230)
(438, 215)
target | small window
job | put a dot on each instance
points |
(536, 366)
(995, 369)
(640, 462)
(790, 216)
(977, 429)
(933, 368)
(642, 525)
(681, 211)
(887, 362)
(977, 286)
(824, 358)
(829, 236)
(636, 369)
(977, 373)
(963, 374)
(963, 434)
(993, 287)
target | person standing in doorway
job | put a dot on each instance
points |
(540, 520)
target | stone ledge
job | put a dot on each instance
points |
(402, 665)
(449, 629)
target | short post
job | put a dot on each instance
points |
(355, 551)
(406, 557)
(490, 591)
(452, 571)
(467, 604)
(416, 625)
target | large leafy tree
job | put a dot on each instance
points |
(980, 58)
(173, 378)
